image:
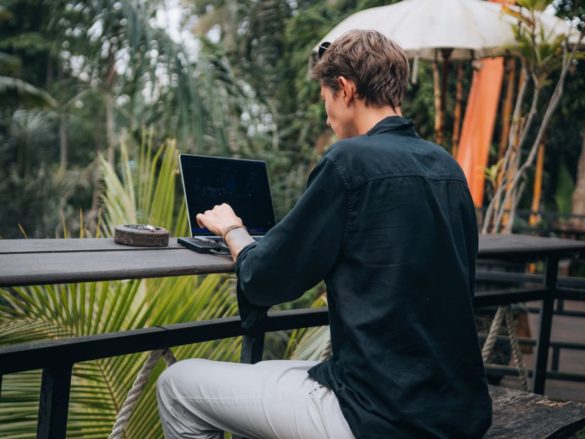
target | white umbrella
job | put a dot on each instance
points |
(447, 30)
(472, 28)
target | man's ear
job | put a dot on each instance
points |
(347, 89)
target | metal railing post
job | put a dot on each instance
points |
(556, 358)
(54, 404)
(544, 330)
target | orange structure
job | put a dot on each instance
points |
(478, 123)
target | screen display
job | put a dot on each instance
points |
(243, 184)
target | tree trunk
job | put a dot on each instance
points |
(440, 84)
(507, 110)
(63, 142)
(109, 82)
(536, 194)
(579, 194)
(110, 137)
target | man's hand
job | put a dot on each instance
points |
(218, 219)
(222, 218)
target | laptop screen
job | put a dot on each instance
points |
(243, 184)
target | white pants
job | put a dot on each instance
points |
(271, 399)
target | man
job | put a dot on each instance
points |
(387, 221)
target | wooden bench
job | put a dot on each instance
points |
(520, 415)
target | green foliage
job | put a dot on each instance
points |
(309, 343)
(57, 311)
(565, 188)
(545, 58)
(541, 52)
(70, 53)
(536, 5)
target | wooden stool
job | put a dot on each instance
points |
(523, 415)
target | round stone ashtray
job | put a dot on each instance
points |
(141, 235)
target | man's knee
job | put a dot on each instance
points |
(177, 376)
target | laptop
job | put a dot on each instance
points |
(243, 184)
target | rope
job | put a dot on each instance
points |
(516, 352)
(134, 394)
(490, 340)
(504, 313)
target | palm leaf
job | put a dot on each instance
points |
(309, 344)
(22, 92)
(145, 191)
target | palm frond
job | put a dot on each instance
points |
(144, 191)
(24, 93)
(309, 343)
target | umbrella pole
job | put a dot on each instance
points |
(458, 109)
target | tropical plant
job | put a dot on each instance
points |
(309, 343)
(145, 192)
(542, 56)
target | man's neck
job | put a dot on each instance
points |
(368, 117)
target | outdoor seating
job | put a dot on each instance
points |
(55, 261)
(458, 119)
(524, 415)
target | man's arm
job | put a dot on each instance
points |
(299, 251)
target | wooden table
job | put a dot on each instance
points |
(53, 261)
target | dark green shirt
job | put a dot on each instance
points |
(388, 222)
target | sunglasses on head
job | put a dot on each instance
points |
(323, 47)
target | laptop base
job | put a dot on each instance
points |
(202, 245)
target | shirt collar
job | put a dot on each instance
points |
(393, 123)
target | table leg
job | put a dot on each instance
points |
(546, 315)
(252, 348)
(54, 404)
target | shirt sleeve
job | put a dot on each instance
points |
(302, 249)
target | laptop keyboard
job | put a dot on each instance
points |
(207, 243)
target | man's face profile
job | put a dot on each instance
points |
(339, 116)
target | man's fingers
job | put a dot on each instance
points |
(199, 219)
(218, 218)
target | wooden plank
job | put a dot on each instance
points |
(523, 415)
(67, 267)
(9, 246)
(44, 261)
(489, 245)
(509, 246)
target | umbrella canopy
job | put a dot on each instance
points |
(472, 28)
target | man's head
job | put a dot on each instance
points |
(364, 67)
